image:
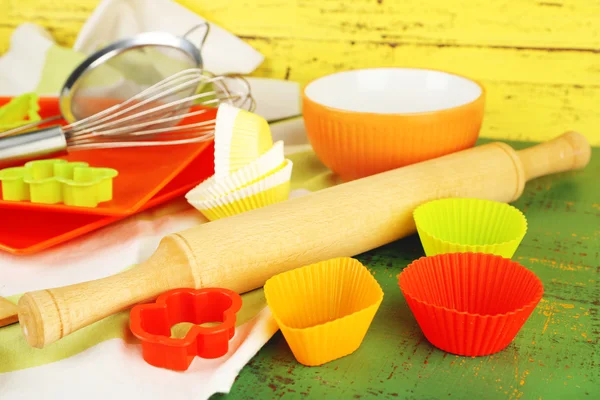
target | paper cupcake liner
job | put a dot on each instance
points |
(245, 176)
(457, 225)
(324, 310)
(273, 188)
(470, 304)
(240, 138)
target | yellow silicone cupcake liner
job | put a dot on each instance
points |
(271, 189)
(240, 138)
(245, 176)
(458, 225)
(324, 310)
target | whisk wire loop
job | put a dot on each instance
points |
(158, 115)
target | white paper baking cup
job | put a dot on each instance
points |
(240, 138)
(270, 189)
(262, 166)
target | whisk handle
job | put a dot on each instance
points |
(42, 143)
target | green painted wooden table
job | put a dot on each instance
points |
(555, 356)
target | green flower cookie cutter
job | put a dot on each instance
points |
(58, 181)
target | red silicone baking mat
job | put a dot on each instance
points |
(143, 171)
(27, 231)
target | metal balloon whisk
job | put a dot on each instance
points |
(154, 117)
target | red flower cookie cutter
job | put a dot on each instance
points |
(151, 323)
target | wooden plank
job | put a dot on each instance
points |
(63, 19)
(573, 24)
(526, 99)
(537, 112)
(555, 24)
(303, 60)
(532, 93)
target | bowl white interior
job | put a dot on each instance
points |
(392, 90)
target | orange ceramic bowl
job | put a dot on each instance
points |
(366, 121)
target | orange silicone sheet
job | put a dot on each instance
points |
(143, 171)
(27, 231)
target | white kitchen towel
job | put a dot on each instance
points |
(101, 362)
(115, 369)
(35, 63)
(31, 49)
(223, 52)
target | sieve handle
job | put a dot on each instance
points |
(32, 145)
(204, 37)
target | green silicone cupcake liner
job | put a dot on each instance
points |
(58, 181)
(459, 225)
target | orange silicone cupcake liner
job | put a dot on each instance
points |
(470, 304)
(325, 309)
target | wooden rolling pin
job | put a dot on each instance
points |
(8, 312)
(243, 251)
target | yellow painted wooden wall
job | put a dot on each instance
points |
(539, 59)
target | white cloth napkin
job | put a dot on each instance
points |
(22, 65)
(35, 63)
(112, 20)
(114, 368)
(222, 52)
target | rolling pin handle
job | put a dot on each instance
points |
(48, 315)
(567, 152)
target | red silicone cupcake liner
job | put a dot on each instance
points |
(470, 304)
